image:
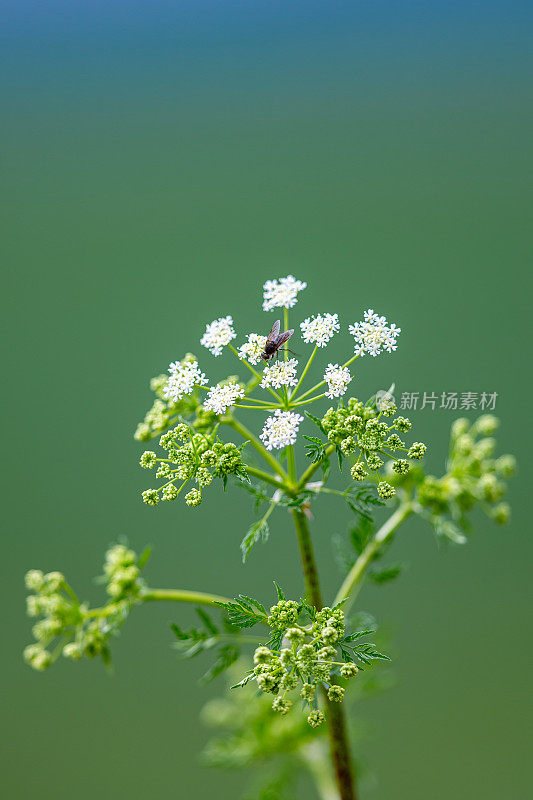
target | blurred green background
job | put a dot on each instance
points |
(160, 162)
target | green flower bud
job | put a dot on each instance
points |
(169, 492)
(336, 693)
(348, 446)
(315, 719)
(486, 425)
(349, 670)
(294, 635)
(459, 427)
(34, 580)
(358, 472)
(37, 657)
(417, 450)
(148, 459)
(501, 513)
(53, 582)
(385, 490)
(182, 432)
(308, 691)
(505, 466)
(150, 497)
(143, 432)
(193, 498)
(73, 650)
(262, 655)
(329, 635)
(402, 424)
(281, 706)
(401, 466)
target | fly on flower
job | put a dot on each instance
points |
(274, 341)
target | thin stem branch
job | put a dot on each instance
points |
(351, 583)
(304, 373)
(310, 471)
(273, 480)
(182, 596)
(322, 383)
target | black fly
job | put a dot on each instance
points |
(274, 341)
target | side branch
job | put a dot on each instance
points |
(348, 590)
(182, 596)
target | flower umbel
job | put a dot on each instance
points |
(281, 373)
(218, 334)
(337, 378)
(320, 329)
(252, 349)
(282, 293)
(184, 376)
(281, 430)
(222, 397)
(373, 335)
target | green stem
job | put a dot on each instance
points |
(339, 747)
(264, 476)
(286, 327)
(322, 383)
(309, 400)
(351, 583)
(182, 596)
(256, 444)
(304, 373)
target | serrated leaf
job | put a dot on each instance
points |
(386, 574)
(357, 635)
(281, 596)
(208, 622)
(244, 681)
(317, 421)
(259, 531)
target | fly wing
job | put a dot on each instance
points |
(284, 337)
(274, 333)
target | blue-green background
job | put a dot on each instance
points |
(160, 161)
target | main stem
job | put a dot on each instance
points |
(338, 738)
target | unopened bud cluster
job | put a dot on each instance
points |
(474, 476)
(307, 657)
(66, 626)
(360, 430)
(190, 456)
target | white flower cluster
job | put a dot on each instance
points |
(252, 349)
(337, 378)
(183, 378)
(282, 293)
(218, 334)
(374, 335)
(281, 373)
(320, 329)
(219, 398)
(280, 430)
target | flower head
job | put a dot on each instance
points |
(220, 398)
(282, 373)
(320, 329)
(184, 376)
(337, 378)
(373, 335)
(282, 293)
(252, 349)
(218, 334)
(281, 429)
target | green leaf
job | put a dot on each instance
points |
(317, 421)
(357, 635)
(244, 681)
(361, 533)
(227, 656)
(145, 555)
(242, 613)
(281, 596)
(386, 574)
(259, 531)
(208, 622)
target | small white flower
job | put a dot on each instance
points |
(282, 293)
(218, 334)
(373, 335)
(219, 398)
(281, 430)
(320, 329)
(337, 378)
(252, 349)
(184, 376)
(281, 373)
